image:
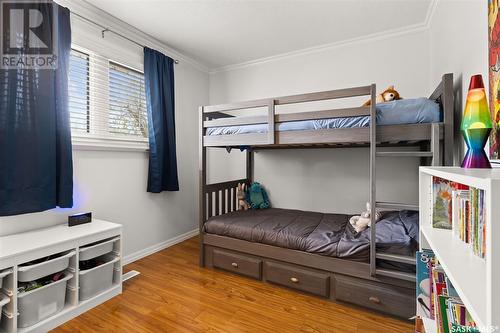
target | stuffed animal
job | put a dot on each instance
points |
(361, 222)
(257, 197)
(240, 194)
(386, 96)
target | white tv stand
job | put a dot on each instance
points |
(24, 247)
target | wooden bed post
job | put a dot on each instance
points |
(249, 166)
(373, 177)
(270, 120)
(203, 182)
(447, 101)
(436, 145)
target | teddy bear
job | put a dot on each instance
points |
(361, 222)
(386, 96)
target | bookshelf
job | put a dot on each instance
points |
(475, 279)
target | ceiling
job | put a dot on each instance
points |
(219, 33)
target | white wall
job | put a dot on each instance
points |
(329, 180)
(112, 184)
(459, 44)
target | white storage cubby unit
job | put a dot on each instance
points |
(475, 279)
(63, 248)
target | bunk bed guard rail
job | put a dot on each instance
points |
(217, 116)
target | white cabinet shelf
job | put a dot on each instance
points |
(474, 278)
(21, 248)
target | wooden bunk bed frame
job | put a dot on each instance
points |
(360, 283)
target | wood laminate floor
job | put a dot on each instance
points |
(173, 294)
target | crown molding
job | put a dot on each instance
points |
(102, 17)
(420, 27)
(86, 9)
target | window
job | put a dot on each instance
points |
(127, 102)
(78, 87)
(107, 100)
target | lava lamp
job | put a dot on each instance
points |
(476, 125)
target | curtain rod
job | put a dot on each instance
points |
(105, 29)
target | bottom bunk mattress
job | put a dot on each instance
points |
(319, 233)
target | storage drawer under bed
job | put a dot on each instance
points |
(295, 277)
(237, 263)
(386, 298)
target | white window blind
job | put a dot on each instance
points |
(127, 102)
(106, 99)
(78, 87)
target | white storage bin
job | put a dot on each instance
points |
(37, 271)
(36, 305)
(97, 250)
(98, 279)
(4, 300)
(2, 275)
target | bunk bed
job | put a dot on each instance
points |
(314, 252)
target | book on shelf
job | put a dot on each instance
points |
(424, 259)
(442, 302)
(469, 219)
(462, 209)
(441, 203)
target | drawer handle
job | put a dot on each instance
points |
(375, 300)
(234, 264)
(294, 280)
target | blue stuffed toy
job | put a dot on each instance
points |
(256, 197)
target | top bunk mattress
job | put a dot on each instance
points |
(404, 111)
(319, 233)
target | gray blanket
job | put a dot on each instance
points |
(325, 234)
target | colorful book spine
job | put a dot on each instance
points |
(469, 218)
(448, 310)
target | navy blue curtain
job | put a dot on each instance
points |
(159, 79)
(36, 171)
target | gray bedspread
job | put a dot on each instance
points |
(325, 234)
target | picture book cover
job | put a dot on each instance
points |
(442, 215)
(442, 194)
(424, 282)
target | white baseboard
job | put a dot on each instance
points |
(158, 247)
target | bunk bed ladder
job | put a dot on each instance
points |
(434, 154)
